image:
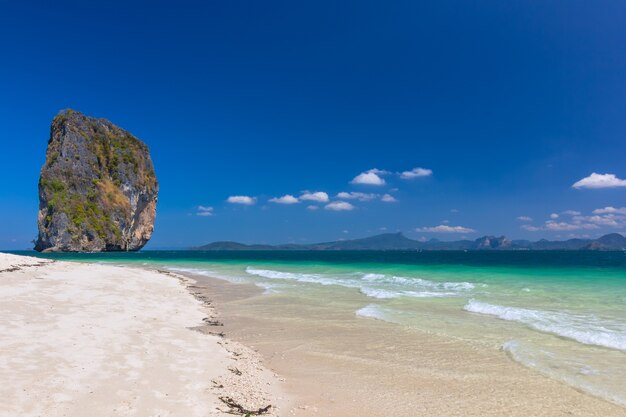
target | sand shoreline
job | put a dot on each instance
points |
(133, 341)
(337, 364)
(81, 339)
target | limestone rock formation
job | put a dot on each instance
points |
(97, 189)
(492, 242)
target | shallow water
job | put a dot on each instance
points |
(560, 313)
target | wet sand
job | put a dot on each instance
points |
(337, 364)
(96, 340)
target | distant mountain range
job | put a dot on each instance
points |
(397, 241)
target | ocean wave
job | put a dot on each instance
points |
(300, 277)
(196, 271)
(373, 285)
(586, 329)
(384, 293)
(569, 369)
(418, 282)
(373, 277)
(269, 288)
(208, 273)
(371, 311)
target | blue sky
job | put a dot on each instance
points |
(505, 105)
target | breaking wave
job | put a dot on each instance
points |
(374, 285)
(583, 328)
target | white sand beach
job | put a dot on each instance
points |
(85, 339)
(95, 340)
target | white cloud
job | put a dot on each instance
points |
(379, 171)
(525, 219)
(204, 211)
(241, 199)
(339, 206)
(444, 228)
(607, 220)
(600, 181)
(357, 196)
(454, 210)
(604, 217)
(415, 173)
(578, 236)
(319, 196)
(312, 208)
(531, 228)
(560, 226)
(371, 177)
(610, 210)
(614, 219)
(286, 199)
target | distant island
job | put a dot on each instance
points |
(397, 241)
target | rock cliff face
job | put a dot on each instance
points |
(97, 189)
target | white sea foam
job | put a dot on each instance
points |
(373, 277)
(378, 293)
(196, 271)
(383, 293)
(583, 328)
(418, 282)
(269, 288)
(569, 369)
(207, 273)
(310, 278)
(373, 285)
(371, 311)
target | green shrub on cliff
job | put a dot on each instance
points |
(104, 180)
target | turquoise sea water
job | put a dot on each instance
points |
(560, 313)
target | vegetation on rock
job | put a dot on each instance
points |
(97, 188)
